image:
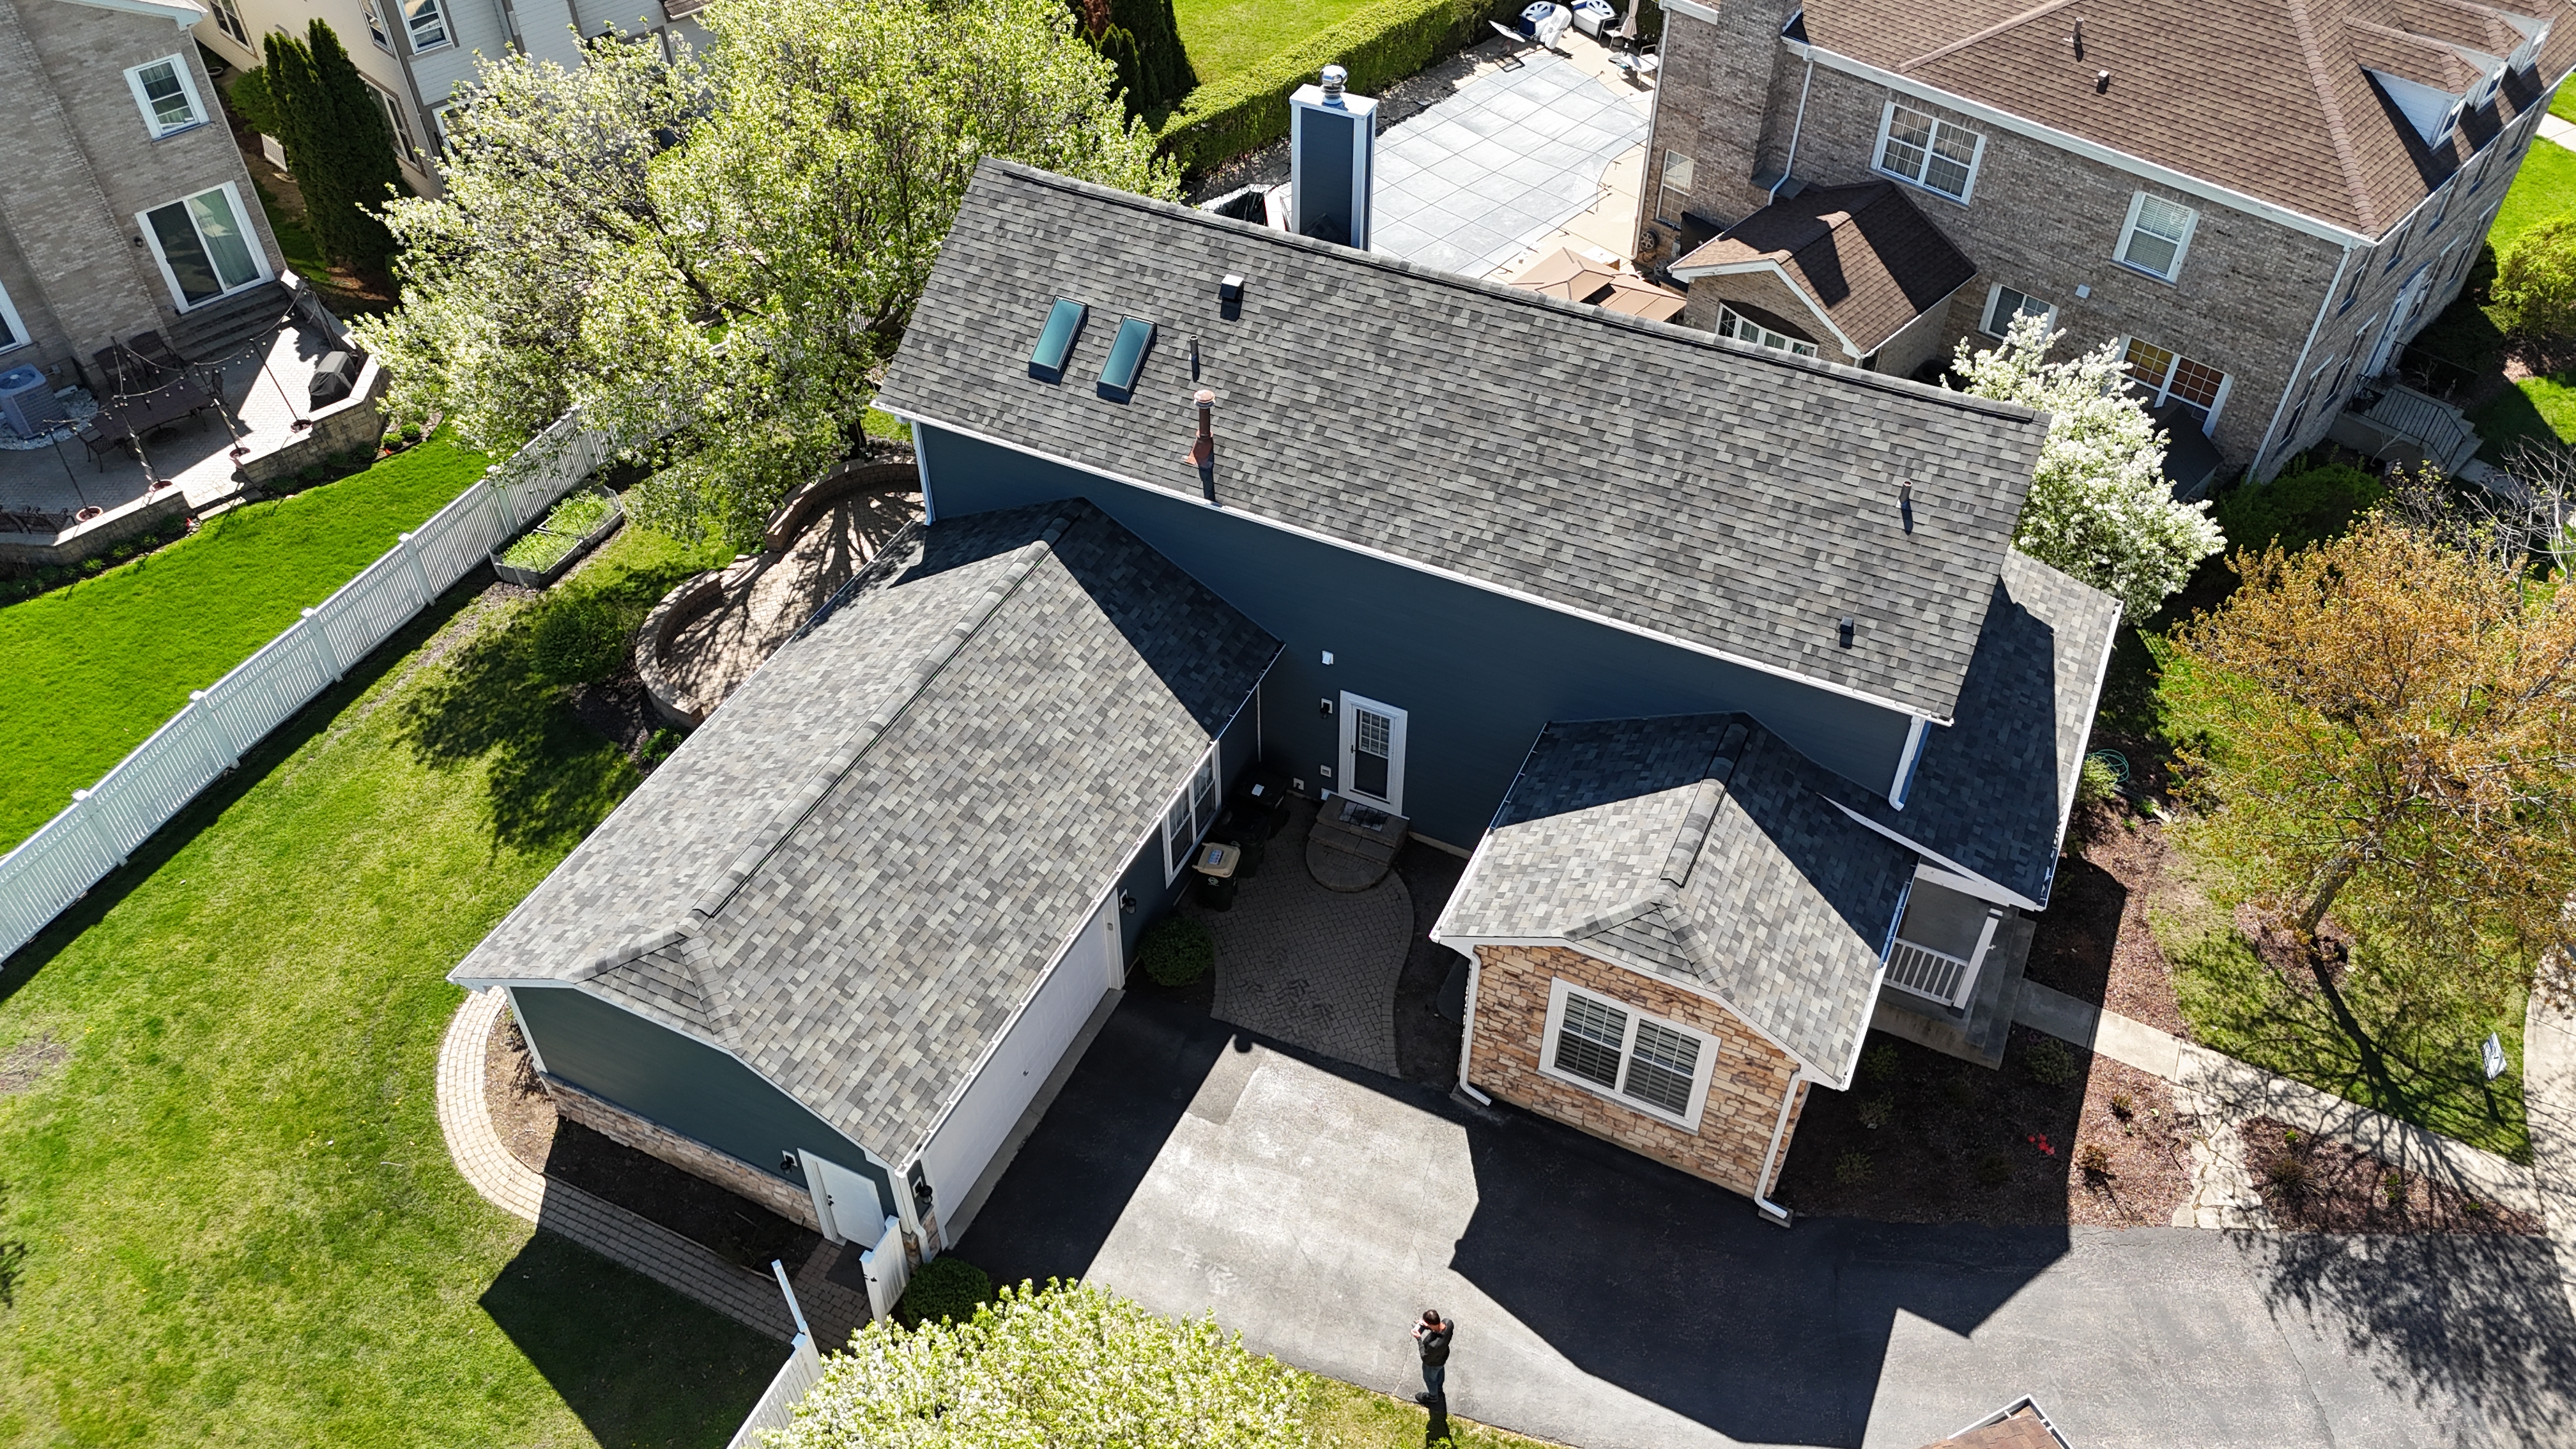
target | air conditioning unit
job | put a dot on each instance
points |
(26, 401)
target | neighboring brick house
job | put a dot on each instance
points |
(126, 208)
(2260, 200)
(418, 56)
(1717, 662)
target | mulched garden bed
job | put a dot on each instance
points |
(736, 1228)
(619, 708)
(2318, 1183)
(1957, 1142)
(2093, 942)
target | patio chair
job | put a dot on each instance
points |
(1541, 24)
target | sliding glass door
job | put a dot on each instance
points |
(205, 250)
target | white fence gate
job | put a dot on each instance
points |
(59, 863)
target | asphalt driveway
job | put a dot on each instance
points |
(1605, 1301)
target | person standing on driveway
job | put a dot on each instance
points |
(1431, 1335)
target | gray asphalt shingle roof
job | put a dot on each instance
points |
(854, 873)
(1696, 847)
(1730, 497)
(1993, 791)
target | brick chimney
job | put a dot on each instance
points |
(1726, 84)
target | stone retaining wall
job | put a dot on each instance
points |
(688, 1154)
(85, 540)
(354, 422)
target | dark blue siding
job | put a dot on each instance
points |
(1143, 881)
(1477, 673)
(684, 1084)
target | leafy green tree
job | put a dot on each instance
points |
(2534, 293)
(723, 253)
(2099, 508)
(1069, 1366)
(337, 144)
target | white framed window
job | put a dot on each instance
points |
(1186, 820)
(1928, 151)
(1657, 1067)
(2164, 375)
(2156, 235)
(376, 27)
(1731, 323)
(1678, 177)
(13, 328)
(228, 20)
(426, 21)
(167, 94)
(398, 120)
(203, 246)
(2004, 305)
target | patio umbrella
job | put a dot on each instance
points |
(1627, 28)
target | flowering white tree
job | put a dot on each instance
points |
(2099, 508)
(1069, 1366)
(730, 244)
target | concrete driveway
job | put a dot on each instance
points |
(1606, 1301)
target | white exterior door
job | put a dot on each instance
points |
(1372, 763)
(1092, 965)
(845, 1203)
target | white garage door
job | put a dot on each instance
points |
(964, 1145)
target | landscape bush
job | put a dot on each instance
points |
(2534, 293)
(948, 1288)
(1176, 952)
(2298, 508)
(581, 636)
(1379, 45)
(2050, 1064)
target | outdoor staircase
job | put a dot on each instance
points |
(210, 334)
(1352, 845)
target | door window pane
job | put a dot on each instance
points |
(1588, 1045)
(1372, 751)
(234, 266)
(190, 267)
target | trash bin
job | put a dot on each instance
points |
(1216, 863)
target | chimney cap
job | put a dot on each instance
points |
(1204, 397)
(1231, 288)
(1335, 78)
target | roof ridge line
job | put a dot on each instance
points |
(2337, 130)
(799, 807)
(1989, 33)
(1707, 798)
(1705, 341)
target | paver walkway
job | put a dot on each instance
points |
(1470, 183)
(603, 1227)
(2222, 1092)
(1308, 965)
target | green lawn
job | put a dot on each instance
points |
(239, 1222)
(2545, 187)
(295, 239)
(2563, 104)
(95, 668)
(1224, 36)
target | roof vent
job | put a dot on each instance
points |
(1335, 78)
(2101, 82)
(1848, 627)
(1202, 454)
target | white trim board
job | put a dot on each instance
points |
(1196, 500)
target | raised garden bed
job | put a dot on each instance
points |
(570, 529)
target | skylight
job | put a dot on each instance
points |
(1055, 344)
(1127, 355)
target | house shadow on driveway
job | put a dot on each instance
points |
(1606, 1300)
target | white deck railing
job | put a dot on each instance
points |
(105, 823)
(1925, 972)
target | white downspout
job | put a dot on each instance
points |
(1795, 127)
(1772, 1212)
(1467, 1038)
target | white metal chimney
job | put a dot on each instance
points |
(1332, 160)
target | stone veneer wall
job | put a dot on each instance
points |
(1744, 1090)
(688, 1154)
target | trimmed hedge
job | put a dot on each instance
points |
(1378, 46)
(1176, 951)
(946, 1287)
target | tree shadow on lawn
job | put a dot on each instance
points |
(501, 699)
(176, 833)
(635, 1362)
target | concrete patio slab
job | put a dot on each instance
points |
(1608, 1302)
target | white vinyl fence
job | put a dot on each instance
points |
(802, 1371)
(105, 823)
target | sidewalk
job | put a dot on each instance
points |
(2549, 1101)
(2222, 1092)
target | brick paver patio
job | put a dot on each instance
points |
(1312, 967)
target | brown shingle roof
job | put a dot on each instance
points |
(1862, 253)
(2271, 98)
